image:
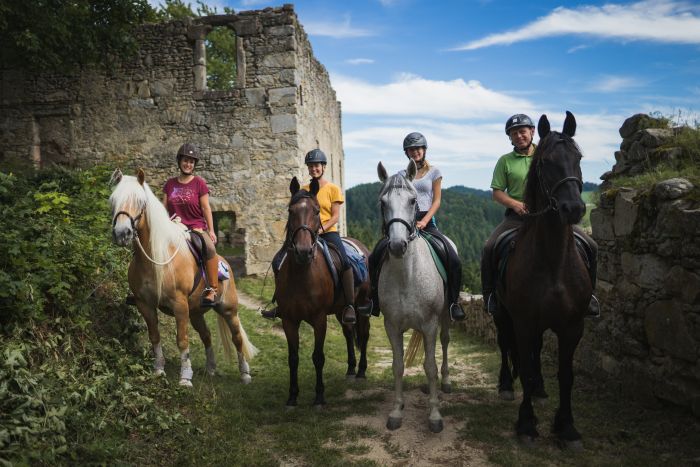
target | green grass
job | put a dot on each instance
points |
(227, 423)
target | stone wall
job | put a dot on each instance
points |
(252, 138)
(647, 342)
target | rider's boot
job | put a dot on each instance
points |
(456, 312)
(130, 300)
(211, 269)
(593, 310)
(490, 302)
(348, 281)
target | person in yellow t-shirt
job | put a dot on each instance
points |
(330, 197)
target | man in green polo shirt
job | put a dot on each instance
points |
(508, 185)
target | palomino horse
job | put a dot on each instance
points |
(164, 275)
(411, 292)
(547, 285)
(305, 292)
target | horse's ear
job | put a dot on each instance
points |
(381, 171)
(116, 177)
(313, 186)
(294, 186)
(569, 124)
(543, 126)
(411, 170)
(140, 176)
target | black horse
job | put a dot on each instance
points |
(547, 285)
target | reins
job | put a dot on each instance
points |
(314, 233)
(134, 221)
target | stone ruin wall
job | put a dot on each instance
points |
(646, 344)
(252, 138)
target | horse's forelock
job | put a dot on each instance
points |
(299, 195)
(129, 191)
(397, 182)
(545, 148)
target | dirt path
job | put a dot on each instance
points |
(413, 444)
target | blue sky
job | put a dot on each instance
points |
(456, 70)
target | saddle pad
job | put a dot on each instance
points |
(436, 257)
(357, 261)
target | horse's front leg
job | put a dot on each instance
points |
(350, 345)
(200, 325)
(291, 331)
(319, 359)
(362, 336)
(396, 340)
(506, 344)
(446, 385)
(563, 425)
(430, 367)
(525, 427)
(538, 391)
(181, 312)
(150, 315)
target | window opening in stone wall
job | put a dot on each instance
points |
(221, 58)
(231, 239)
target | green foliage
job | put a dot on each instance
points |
(60, 36)
(466, 215)
(70, 376)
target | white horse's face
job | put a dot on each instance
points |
(128, 202)
(398, 202)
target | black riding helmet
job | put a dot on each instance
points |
(415, 140)
(315, 156)
(518, 120)
(189, 150)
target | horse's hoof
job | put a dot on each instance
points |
(506, 395)
(425, 389)
(159, 372)
(446, 388)
(361, 376)
(211, 371)
(186, 383)
(526, 440)
(436, 426)
(350, 377)
(319, 407)
(289, 408)
(246, 379)
(393, 423)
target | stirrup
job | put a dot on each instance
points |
(456, 312)
(130, 300)
(492, 304)
(351, 320)
(205, 302)
(270, 314)
(366, 310)
(593, 310)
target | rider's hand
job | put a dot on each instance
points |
(420, 225)
(212, 235)
(519, 208)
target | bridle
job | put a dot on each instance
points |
(411, 226)
(134, 220)
(552, 204)
(291, 235)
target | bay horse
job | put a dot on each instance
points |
(164, 274)
(305, 292)
(411, 292)
(547, 285)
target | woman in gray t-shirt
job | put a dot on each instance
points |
(428, 183)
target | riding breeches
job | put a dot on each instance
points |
(208, 249)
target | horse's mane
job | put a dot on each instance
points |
(545, 151)
(164, 233)
(299, 195)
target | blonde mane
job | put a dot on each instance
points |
(164, 234)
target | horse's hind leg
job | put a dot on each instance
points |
(563, 425)
(150, 315)
(349, 343)
(362, 337)
(396, 340)
(235, 332)
(435, 420)
(506, 344)
(445, 386)
(319, 358)
(200, 325)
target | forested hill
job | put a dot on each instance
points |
(466, 215)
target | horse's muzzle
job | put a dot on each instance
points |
(397, 247)
(571, 212)
(304, 256)
(123, 236)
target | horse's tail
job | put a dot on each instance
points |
(249, 350)
(414, 346)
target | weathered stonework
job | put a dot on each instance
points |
(252, 138)
(647, 342)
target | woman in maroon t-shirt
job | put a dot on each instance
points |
(187, 197)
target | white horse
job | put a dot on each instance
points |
(411, 292)
(164, 275)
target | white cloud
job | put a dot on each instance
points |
(359, 61)
(577, 48)
(615, 84)
(338, 30)
(665, 21)
(411, 95)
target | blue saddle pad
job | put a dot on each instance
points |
(357, 262)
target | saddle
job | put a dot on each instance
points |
(505, 243)
(438, 250)
(195, 242)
